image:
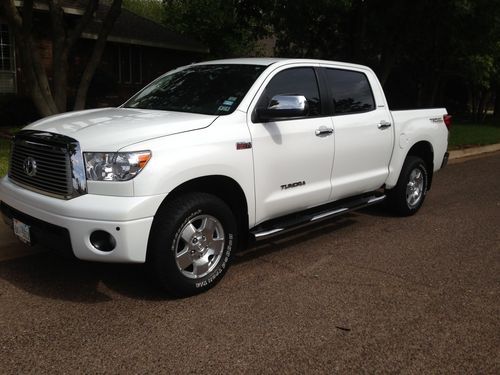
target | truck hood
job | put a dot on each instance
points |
(110, 129)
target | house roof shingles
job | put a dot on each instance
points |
(134, 29)
(130, 28)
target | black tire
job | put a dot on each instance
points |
(178, 236)
(402, 199)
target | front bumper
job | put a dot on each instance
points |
(127, 219)
(42, 233)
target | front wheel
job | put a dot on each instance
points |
(408, 195)
(191, 242)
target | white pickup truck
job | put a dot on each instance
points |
(212, 155)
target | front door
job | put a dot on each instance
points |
(292, 162)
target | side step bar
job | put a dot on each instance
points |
(290, 222)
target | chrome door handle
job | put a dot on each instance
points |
(323, 131)
(384, 124)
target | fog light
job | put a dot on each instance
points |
(102, 241)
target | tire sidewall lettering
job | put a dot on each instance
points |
(221, 267)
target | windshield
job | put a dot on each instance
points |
(207, 89)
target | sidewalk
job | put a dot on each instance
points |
(11, 248)
(474, 151)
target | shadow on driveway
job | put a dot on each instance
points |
(49, 275)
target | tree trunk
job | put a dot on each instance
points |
(37, 81)
(32, 85)
(473, 101)
(496, 106)
(95, 58)
(51, 100)
(60, 56)
(436, 85)
(387, 63)
(358, 26)
(60, 80)
(483, 105)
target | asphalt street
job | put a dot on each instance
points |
(366, 292)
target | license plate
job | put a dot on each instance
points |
(22, 231)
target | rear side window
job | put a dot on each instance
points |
(295, 81)
(351, 91)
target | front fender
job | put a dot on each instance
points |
(205, 152)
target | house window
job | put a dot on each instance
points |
(7, 63)
(129, 64)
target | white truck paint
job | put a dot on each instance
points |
(356, 158)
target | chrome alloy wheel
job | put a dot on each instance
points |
(415, 188)
(199, 246)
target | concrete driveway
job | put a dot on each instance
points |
(364, 293)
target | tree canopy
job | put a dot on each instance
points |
(426, 53)
(229, 27)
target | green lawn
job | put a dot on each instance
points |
(468, 135)
(4, 155)
(5, 149)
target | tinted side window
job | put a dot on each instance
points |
(295, 81)
(351, 91)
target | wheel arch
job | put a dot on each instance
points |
(425, 151)
(223, 187)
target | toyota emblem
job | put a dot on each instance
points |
(29, 166)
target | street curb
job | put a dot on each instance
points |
(473, 151)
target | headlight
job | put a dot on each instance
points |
(115, 166)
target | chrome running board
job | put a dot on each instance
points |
(284, 224)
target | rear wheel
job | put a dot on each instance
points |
(408, 195)
(191, 243)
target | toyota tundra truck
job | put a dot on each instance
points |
(212, 156)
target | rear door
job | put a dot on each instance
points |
(364, 133)
(292, 162)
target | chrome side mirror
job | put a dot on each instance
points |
(283, 107)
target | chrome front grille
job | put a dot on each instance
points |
(44, 162)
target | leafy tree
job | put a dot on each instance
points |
(480, 57)
(309, 28)
(416, 48)
(152, 9)
(52, 98)
(228, 27)
(426, 53)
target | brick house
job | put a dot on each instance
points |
(138, 50)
